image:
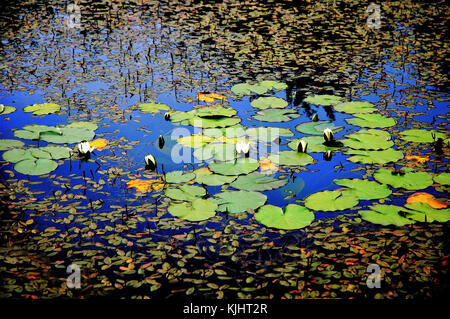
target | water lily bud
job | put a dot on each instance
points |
(85, 148)
(327, 156)
(302, 145)
(328, 135)
(315, 117)
(243, 148)
(167, 116)
(2, 108)
(161, 141)
(150, 162)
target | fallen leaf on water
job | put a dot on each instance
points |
(143, 185)
(426, 198)
(417, 159)
(209, 97)
(99, 143)
(267, 166)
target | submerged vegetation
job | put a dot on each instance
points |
(230, 150)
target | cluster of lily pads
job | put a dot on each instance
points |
(226, 145)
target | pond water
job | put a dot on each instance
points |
(121, 74)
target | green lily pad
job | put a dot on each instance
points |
(248, 89)
(269, 84)
(32, 132)
(366, 141)
(205, 176)
(323, 99)
(215, 112)
(374, 157)
(17, 154)
(258, 182)
(194, 141)
(185, 192)
(421, 136)
(7, 144)
(290, 217)
(153, 107)
(180, 116)
(68, 135)
(197, 210)
(331, 201)
(410, 180)
(355, 107)
(35, 166)
(237, 167)
(266, 102)
(239, 201)
(197, 121)
(315, 144)
(276, 115)
(371, 120)
(268, 134)
(229, 132)
(442, 178)
(422, 212)
(218, 151)
(5, 109)
(57, 152)
(386, 215)
(83, 124)
(364, 189)
(291, 158)
(42, 109)
(316, 128)
(179, 177)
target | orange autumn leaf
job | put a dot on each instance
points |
(426, 198)
(417, 159)
(209, 97)
(267, 166)
(99, 143)
(143, 185)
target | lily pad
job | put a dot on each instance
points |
(291, 158)
(410, 180)
(237, 167)
(185, 192)
(17, 154)
(268, 134)
(269, 84)
(316, 128)
(442, 178)
(57, 152)
(364, 189)
(422, 212)
(195, 141)
(323, 99)
(355, 107)
(315, 144)
(374, 157)
(421, 136)
(366, 141)
(35, 166)
(266, 102)
(239, 201)
(7, 144)
(179, 177)
(42, 109)
(198, 121)
(331, 201)
(153, 107)
(258, 182)
(179, 116)
(215, 112)
(68, 135)
(205, 176)
(386, 215)
(371, 120)
(290, 217)
(228, 132)
(248, 89)
(197, 210)
(5, 109)
(83, 124)
(276, 115)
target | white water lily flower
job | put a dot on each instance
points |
(85, 148)
(150, 161)
(328, 135)
(243, 148)
(302, 146)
